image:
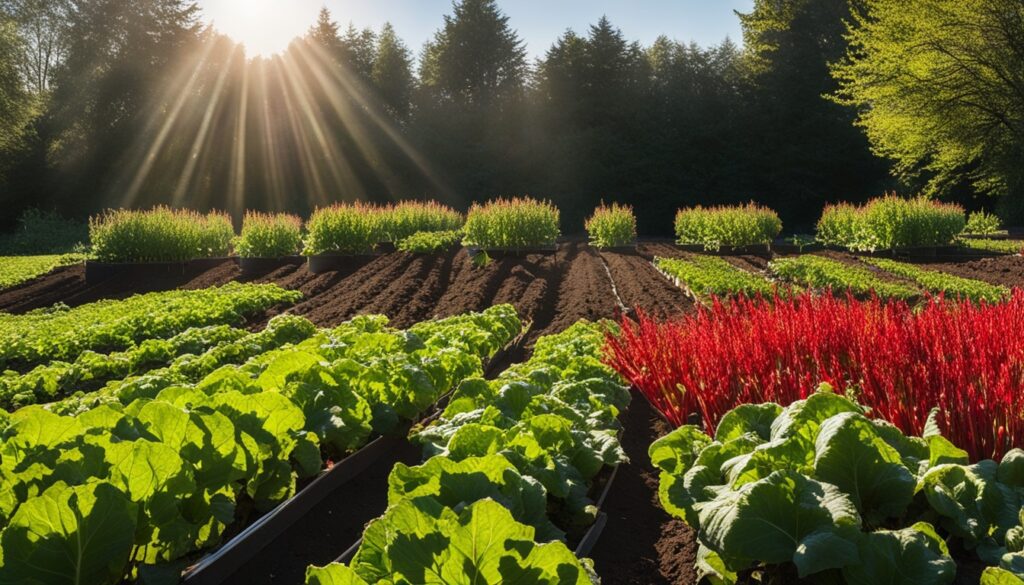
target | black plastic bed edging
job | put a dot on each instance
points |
(260, 266)
(506, 252)
(757, 250)
(96, 272)
(217, 566)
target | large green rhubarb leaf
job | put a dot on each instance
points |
(78, 535)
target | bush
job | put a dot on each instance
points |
(512, 223)
(891, 222)
(736, 226)
(44, 233)
(269, 235)
(981, 223)
(404, 219)
(160, 234)
(612, 226)
(343, 228)
(430, 242)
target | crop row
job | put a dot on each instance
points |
(819, 491)
(15, 270)
(509, 469)
(154, 474)
(62, 333)
(817, 272)
(939, 282)
(706, 276)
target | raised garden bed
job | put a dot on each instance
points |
(96, 272)
(257, 266)
(321, 263)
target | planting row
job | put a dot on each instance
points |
(61, 333)
(818, 490)
(708, 276)
(510, 470)
(15, 270)
(157, 467)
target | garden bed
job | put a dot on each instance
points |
(96, 272)
(256, 266)
(345, 263)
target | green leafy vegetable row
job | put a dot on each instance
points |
(15, 270)
(158, 476)
(710, 275)
(511, 461)
(60, 333)
(999, 246)
(819, 272)
(820, 490)
(939, 282)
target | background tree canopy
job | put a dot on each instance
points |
(116, 103)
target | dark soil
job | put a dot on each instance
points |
(1004, 270)
(642, 544)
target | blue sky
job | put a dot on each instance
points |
(266, 26)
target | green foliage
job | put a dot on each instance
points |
(62, 333)
(269, 235)
(430, 242)
(430, 544)
(15, 270)
(935, 86)
(155, 472)
(407, 218)
(999, 246)
(891, 222)
(982, 223)
(737, 226)
(807, 489)
(709, 275)
(819, 272)
(17, 105)
(343, 228)
(939, 282)
(44, 233)
(612, 226)
(161, 234)
(520, 222)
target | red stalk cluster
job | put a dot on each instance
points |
(965, 359)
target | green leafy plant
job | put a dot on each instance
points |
(110, 325)
(430, 242)
(343, 228)
(940, 282)
(734, 226)
(820, 489)
(998, 246)
(612, 226)
(891, 222)
(520, 222)
(820, 273)
(45, 233)
(160, 234)
(15, 270)
(982, 223)
(407, 218)
(269, 235)
(708, 275)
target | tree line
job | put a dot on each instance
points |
(112, 103)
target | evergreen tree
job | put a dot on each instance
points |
(392, 73)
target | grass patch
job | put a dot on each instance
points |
(612, 226)
(891, 222)
(938, 282)
(824, 273)
(709, 275)
(520, 222)
(160, 234)
(735, 226)
(269, 235)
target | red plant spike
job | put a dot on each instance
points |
(965, 359)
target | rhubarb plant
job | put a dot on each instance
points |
(821, 489)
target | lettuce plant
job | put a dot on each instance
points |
(709, 275)
(818, 272)
(612, 226)
(820, 490)
(733, 226)
(269, 235)
(941, 283)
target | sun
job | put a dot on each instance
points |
(265, 27)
